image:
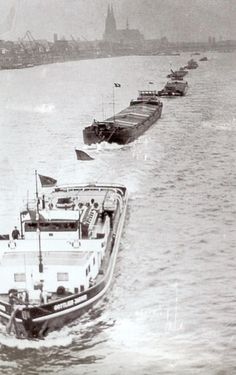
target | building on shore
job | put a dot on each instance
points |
(125, 37)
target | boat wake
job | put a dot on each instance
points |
(63, 338)
(42, 108)
(82, 332)
(45, 108)
(105, 146)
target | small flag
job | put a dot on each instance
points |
(47, 181)
(151, 83)
(35, 216)
(117, 84)
(81, 155)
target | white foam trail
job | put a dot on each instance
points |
(62, 338)
(45, 108)
(42, 108)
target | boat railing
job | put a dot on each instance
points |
(147, 92)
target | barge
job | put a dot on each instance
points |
(192, 64)
(177, 74)
(129, 124)
(174, 88)
(203, 59)
(62, 261)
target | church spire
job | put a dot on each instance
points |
(112, 13)
(113, 20)
(110, 25)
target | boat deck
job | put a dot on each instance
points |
(131, 116)
(52, 258)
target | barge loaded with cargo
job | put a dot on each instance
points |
(129, 124)
(62, 260)
(174, 88)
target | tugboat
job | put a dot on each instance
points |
(203, 59)
(192, 64)
(62, 261)
(174, 88)
(177, 74)
(129, 124)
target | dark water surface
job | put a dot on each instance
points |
(172, 306)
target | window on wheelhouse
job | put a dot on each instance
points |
(62, 276)
(52, 226)
(19, 277)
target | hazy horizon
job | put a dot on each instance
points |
(178, 20)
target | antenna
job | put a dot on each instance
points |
(103, 112)
(113, 102)
(38, 224)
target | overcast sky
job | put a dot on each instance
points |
(176, 19)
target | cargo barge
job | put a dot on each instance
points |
(127, 125)
(192, 64)
(177, 74)
(174, 88)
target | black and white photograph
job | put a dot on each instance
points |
(118, 187)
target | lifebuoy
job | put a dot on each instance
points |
(12, 244)
(60, 290)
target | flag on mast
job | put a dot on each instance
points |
(47, 181)
(116, 84)
(81, 155)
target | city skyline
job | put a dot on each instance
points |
(177, 20)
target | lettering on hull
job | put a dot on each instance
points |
(70, 303)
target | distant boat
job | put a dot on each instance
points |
(167, 53)
(127, 125)
(192, 64)
(174, 88)
(203, 59)
(196, 53)
(177, 74)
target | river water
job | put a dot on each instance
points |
(171, 307)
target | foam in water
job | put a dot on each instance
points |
(45, 108)
(42, 108)
(62, 338)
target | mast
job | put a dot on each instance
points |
(115, 84)
(103, 112)
(79, 223)
(113, 102)
(38, 225)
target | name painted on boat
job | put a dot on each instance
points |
(70, 303)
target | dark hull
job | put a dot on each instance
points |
(178, 75)
(122, 135)
(172, 93)
(38, 321)
(191, 67)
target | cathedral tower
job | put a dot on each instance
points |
(110, 25)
